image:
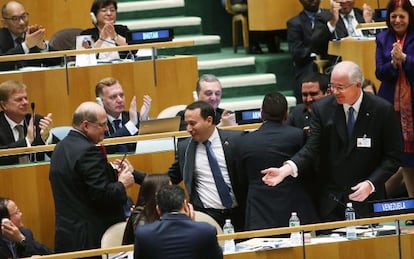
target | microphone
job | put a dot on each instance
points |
(32, 106)
(333, 197)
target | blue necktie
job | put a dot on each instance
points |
(116, 124)
(351, 121)
(121, 147)
(222, 188)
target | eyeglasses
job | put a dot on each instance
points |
(339, 88)
(24, 17)
(17, 212)
(99, 124)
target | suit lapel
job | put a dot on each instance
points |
(361, 123)
(189, 163)
(341, 123)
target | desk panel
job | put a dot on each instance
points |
(171, 81)
(361, 52)
(29, 187)
(267, 15)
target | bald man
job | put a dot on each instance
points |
(18, 37)
(88, 191)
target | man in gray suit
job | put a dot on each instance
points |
(358, 139)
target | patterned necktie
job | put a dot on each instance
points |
(351, 121)
(350, 25)
(222, 188)
(23, 159)
(19, 40)
(116, 124)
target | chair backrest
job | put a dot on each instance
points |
(60, 132)
(171, 111)
(65, 39)
(113, 237)
(201, 216)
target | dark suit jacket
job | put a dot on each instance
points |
(385, 71)
(29, 248)
(88, 197)
(176, 236)
(299, 117)
(7, 139)
(343, 164)
(122, 132)
(7, 48)
(299, 36)
(270, 207)
(321, 34)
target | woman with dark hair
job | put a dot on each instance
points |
(395, 69)
(146, 213)
(106, 33)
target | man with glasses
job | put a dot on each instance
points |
(17, 241)
(357, 138)
(88, 191)
(314, 87)
(18, 37)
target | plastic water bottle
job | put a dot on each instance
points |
(295, 237)
(229, 244)
(350, 215)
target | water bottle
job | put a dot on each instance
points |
(350, 215)
(229, 245)
(295, 237)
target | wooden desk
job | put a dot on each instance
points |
(361, 52)
(169, 81)
(29, 186)
(268, 15)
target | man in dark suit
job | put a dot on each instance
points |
(193, 167)
(209, 89)
(121, 123)
(89, 193)
(340, 24)
(314, 87)
(358, 139)
(176, 235)
(269, 146)
(18, 37)
(17, 241)
(299, 35)
(17, 125)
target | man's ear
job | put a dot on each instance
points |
(2, 105)
(185, 207)
(158, 210)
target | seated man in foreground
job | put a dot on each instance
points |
(176, 235)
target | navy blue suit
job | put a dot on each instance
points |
(176, 236)
(121, 132)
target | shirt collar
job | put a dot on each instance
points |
(356, 105)
(12, 123)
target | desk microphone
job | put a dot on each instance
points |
(333, 197)
(32, 106)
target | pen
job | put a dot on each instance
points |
(122, 161)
